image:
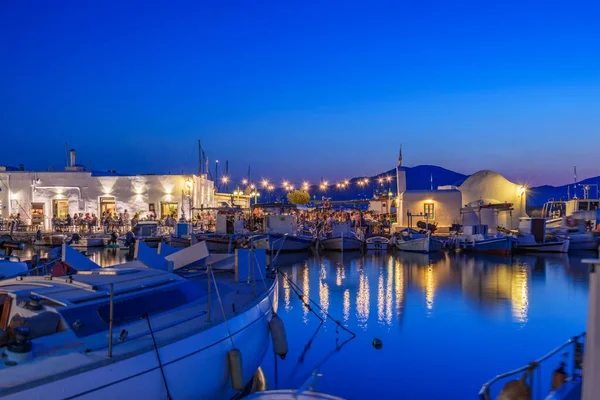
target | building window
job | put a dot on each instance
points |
(429, 210)
(151, 207)
(168, 210)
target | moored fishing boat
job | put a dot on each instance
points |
(377, 243)
(343, 238)
(410, 240)
(61, 341)
(283, 242)
(532, 237)
(281, 233)
(475, 239)
(93, 240)
(50, 240)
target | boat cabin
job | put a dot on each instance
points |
(281, 224)
(229, 223)
(144, 229)
(533, 226)
(586, 209)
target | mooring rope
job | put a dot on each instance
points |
(209, 267)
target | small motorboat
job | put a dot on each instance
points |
(377, 243)
(282, 234)
(475, 239)
(51, 240)
(532, 237)
(94, 240)
(417, 242)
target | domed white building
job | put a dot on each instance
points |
(485, 197)
(486, 190)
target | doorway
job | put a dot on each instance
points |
(168, 210)
(108, 204)
(60, 208)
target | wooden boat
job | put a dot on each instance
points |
(281, 233)
(410, 240)
(287, 243)
(475, 238)
(532, 237)
(343, 238)
(89, 351)
(51, 240)
(89, 241)
(377, 243)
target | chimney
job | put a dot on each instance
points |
(21, 167)
(72, 153)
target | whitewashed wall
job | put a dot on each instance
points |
(447, 205)
(83, 191)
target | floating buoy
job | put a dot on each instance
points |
(234, 358)
(377, 343)
(280, 344)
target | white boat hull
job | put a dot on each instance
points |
(420, 245)
(342, 244)
(195, 367)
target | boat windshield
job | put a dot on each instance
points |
(93, 318)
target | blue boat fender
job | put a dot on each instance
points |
(280, 343)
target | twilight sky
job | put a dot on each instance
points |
(303, 89)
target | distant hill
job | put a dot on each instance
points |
(537, 196)
(419, 178)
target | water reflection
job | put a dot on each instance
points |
(442, 314)
(490, 282)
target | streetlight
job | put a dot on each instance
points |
(237, 193)
(270, 188)
(189, 184)
(255, 194)
(244, 181)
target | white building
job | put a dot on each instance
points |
(492, 198)
(37, 196)
(490, 190)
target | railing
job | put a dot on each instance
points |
(576, 344)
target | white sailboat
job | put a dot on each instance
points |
(131, 331)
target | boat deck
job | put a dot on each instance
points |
(181, 305)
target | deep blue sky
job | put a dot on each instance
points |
(302, 89)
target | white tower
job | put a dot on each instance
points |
(401, 187)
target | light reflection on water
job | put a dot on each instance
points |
(448, 322)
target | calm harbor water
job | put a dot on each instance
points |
(448, 322)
